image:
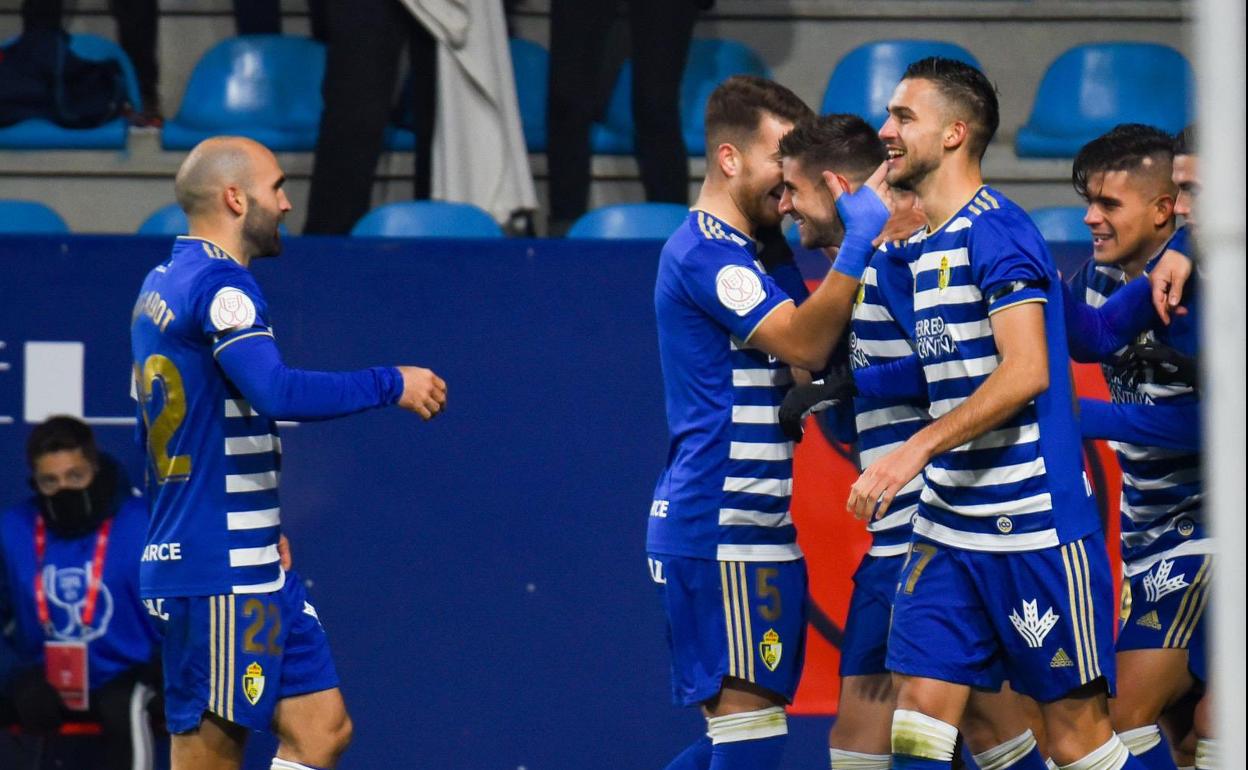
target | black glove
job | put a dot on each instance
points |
(1149, 362)
(37, 703)
(804, 400)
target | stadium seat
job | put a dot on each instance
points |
(29, 217)
(1062, 224)
(655, 221)
(166, 220)
(267, 87)
(45, 135)
(711, 61)
(1092, 88)
(864, 79)
(530, 62)
(427, 219)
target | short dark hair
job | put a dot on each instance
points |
(58, 434)
(737, 106)
(1185, 140)
(844, 143)
(969, 90)
(1125, 147)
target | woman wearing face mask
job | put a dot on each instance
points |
(69, 597)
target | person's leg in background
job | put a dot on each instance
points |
(120, 706)
(362, 68)
(41, 14)
(423, 53)
(578, 34)
(137, 24)
(257, 17)
(661, 31)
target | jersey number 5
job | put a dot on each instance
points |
(158, 369)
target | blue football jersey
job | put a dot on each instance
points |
(212, 461)
(880, 329)
(725, 491)
(1161, 488)
(1021, 485)
(120, 635)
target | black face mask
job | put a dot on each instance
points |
(73, 513)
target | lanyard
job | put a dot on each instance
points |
(94, 580)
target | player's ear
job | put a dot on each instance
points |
(1163, 210)
(235, 200)
(956, 134)
(729, 159)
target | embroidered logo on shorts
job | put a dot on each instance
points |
(942, 281)
(1158, 583)
(1150, 620)
(1031, 625)
(739, 289)
(1061, 660)
(253, 683)
(770, 649)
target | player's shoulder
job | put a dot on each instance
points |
(705, 236)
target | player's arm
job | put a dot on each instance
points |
(1094, 334)
(899, 380)
(1170, 426)
(1170, 275)
(1023, 374)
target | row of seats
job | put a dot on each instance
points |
(441, 219)
(268, 87)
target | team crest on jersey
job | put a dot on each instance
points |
(1186, 527)
(862, 294)
(942, 280)
(1159, 583)
(232, 309)
(739, 289)
(253, 683)
(770, 649)
(1031, 626)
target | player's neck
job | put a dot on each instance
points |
(947, 189)
(1134, 267)
(228, 242)
(715, 200)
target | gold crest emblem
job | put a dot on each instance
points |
(862, 294)
(253, 683)
(770, 649)
(943, 280)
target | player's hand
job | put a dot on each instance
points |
(872, 494)
(1150, 362)
(423, 391)
(283, 553)
(901, 225)
(865, 212)
(805, 400)
(1168, 278)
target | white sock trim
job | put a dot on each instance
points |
(748, 726)
(1141, 739)
(1049, 763)
(857, 760)
(286, 764)
(918, 735)
(1206, 754)
(1004, 755)
(1111, 756)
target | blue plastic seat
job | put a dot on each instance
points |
(711, 62)
(1062, 224)
(653, 221)
(864, 79)
(40, 134)
(29, 217)
(1092, 88)
(266, 87)
(427, 219)
(531, 64)
(166, 220)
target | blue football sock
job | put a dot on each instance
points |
(757, 754)
(1149, 746)
(753, 740)
(921, 742)
(1018, 753)
(696, 757)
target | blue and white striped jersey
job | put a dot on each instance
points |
(880, 332)
(1021, 486)
(212, 461)
(725, 491)
(1161, 488)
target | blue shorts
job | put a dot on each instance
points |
(1164, 608)
(739, 619)
(238, 655)
(864, 647)
(1041, 619)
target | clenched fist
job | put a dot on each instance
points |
(423, 391)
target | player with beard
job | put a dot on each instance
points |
(721, 544)
(243, 649)
(1008, 577)
(818, 157)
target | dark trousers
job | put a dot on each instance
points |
(660, 35)
(366, 38)
(264, 17)
(136, 33)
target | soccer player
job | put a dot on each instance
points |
(243, 648)
(720, 542)
(1008, 576)
(846, 149)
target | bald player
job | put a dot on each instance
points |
(243, 647)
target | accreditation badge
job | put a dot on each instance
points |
(65, 664)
